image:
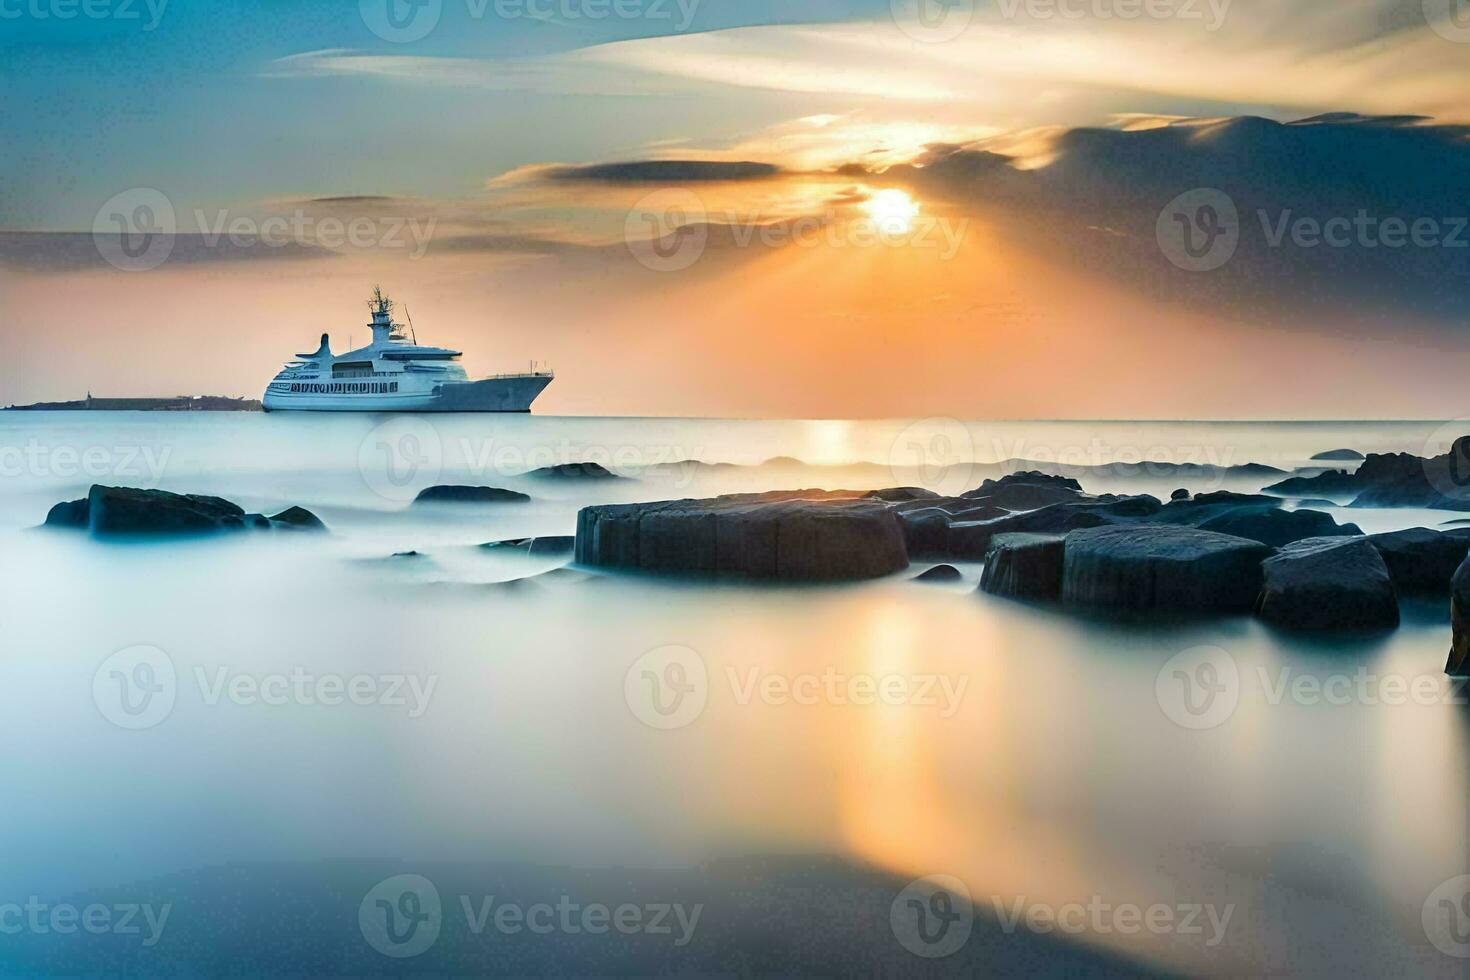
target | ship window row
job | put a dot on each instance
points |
(348, 388)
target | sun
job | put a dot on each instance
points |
(893, 210)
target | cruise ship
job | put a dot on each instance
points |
(395, 373)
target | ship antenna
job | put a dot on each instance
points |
(411, 331)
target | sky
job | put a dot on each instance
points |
(813, 208)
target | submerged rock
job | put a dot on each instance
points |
(1420, 560)
(127, 510)
(1277, 527)
(1161, 568)
(1024, 566)
(575, 471)
(297, 519)
(449, 494)
(939, 573)
(1458, 664)
(1328, 584)
(799, 535)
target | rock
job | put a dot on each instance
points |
(1328, 584)
(925, 532)
(1180, 494)
(939, 573)
(1026, 491)
(469, 495)
(1024, 566)
(297, 519)
(125, 510)
(1277, 527)
(68, 513)
(1458, 664)
(575, 471)
(1394, 480)
(1314, 502)
(971, 540)
(560, 544)
(1152, 567)
(519, 544)
(1340, 455)
(793, 535)
(407, 554)
(1420, 560)
(903, 494)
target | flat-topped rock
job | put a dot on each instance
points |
(452, 494)
(794, 535)
(1340, 455)
(1420, 560)
(1162, 568)
(972, 539)
(1328, 584)
(1024, 566)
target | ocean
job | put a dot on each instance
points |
(332, 713)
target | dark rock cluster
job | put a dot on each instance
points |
(116, 511)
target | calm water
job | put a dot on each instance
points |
(1042, 760)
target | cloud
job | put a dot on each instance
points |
(662, 171)
(62, 252)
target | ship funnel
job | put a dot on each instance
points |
(324, 351)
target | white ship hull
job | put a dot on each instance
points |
(508, 394)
